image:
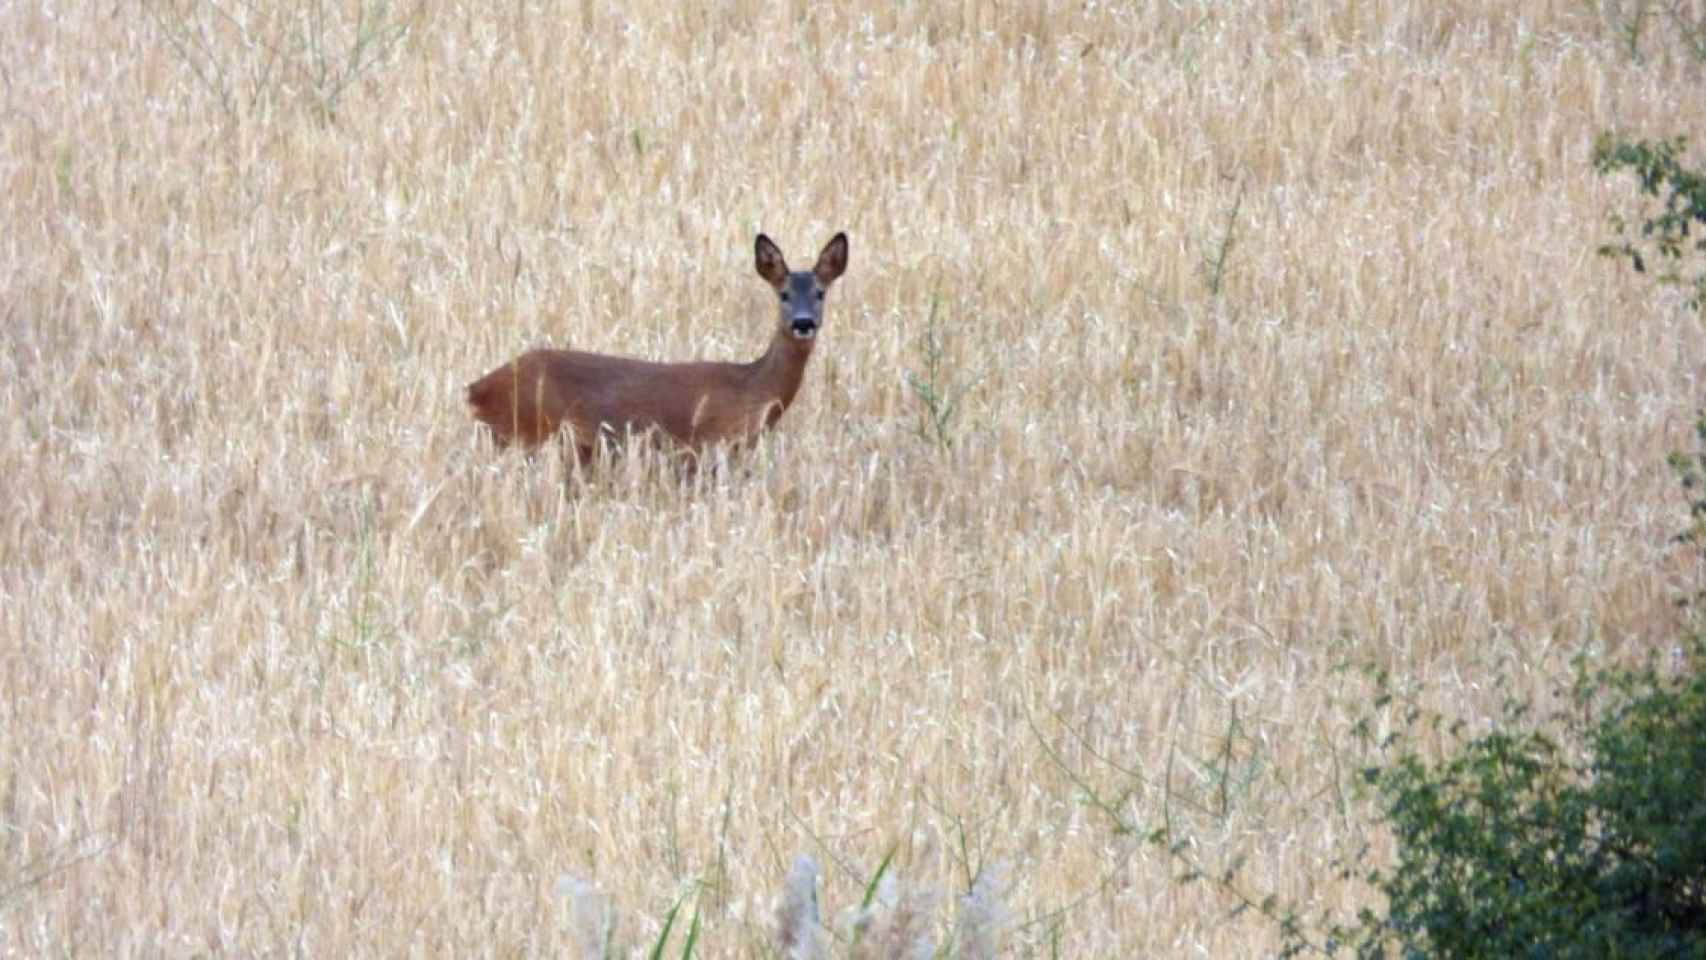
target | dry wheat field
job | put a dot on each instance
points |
(1191, 359)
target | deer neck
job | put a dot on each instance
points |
(778, 373)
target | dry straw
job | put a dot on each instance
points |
(1264, 338)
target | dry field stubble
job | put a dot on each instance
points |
(290, 659)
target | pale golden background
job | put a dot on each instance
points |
(291, 660)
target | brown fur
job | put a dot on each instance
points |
(531, 398)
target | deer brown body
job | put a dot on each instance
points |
(699, 404)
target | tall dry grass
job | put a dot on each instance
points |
(291, 661)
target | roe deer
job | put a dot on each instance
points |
(697, 404)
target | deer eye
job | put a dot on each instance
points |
(820, 294)
(784, 295)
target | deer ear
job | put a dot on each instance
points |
(832, 261)
(768, 258)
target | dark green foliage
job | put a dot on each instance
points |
(1674, 235)
(1512, 846)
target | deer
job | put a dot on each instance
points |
(694, 405)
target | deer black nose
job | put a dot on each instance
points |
(804, 326)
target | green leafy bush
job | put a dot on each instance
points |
(1674, 235)
(1512, 846)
